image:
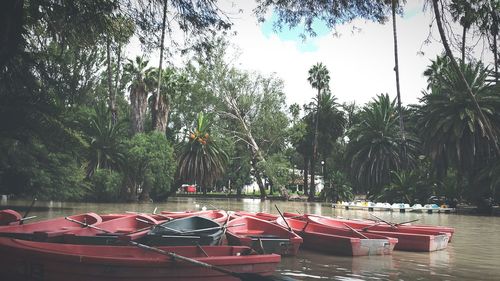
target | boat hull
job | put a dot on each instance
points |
(262, 236)
(415, 240)
(49, 230)
(339, 241)
(41, 261)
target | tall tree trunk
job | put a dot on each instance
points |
(306, 175)
(111, 92)
(464, 34)
(162, 46)
(456, 67)
(139, 103)
(117, 78)
(494, 33)
(312, 189)
(159, 114)
(12, 20)
(398, 91)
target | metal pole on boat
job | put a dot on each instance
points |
(289, 228)
(28, 211)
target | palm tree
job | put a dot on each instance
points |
(374, 146)
(160, 107)
(138, 92)
(394, 4)
(434, 72)
(201, 158)
(463, 12)
(453, 132)
(103, 140)
(319, 78)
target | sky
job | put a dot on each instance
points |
(360, 57)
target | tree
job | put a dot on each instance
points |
(394, 4)
(201, 158)
(138, 92)
(149, 167)
(463, 12)
(453, 132)
(195, 18)
(104, 140)
(332, 13)
(374, 145)
(489, 129)
(173, 84)
(319, 78)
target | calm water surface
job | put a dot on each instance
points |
(474, 253)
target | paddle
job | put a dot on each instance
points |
(88, 225)
(25, 219)
(289, 228)
(389, 223)
(241, 276)
(357, 232)
(155, 214)
(21, 221)
(405, 222)
(394, 225)
(159, 225)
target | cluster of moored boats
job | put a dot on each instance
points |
(191, 245)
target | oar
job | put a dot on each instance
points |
(357, 232)
(88, 225)
(21, 221)
(155, 214)
(25, 219)
(389, 223)
(405, 222)
(159, 225)
(289, 228)
(241, 276)
(370, 226)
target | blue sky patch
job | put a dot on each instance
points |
(294, 34)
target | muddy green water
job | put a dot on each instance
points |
(474, 253)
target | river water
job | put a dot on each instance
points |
(474, 253)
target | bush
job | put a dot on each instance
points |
(149, 166)
(106, 186)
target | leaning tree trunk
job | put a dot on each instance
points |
(138, 100)
(398, 91)
(455, 66)
(312, 189)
